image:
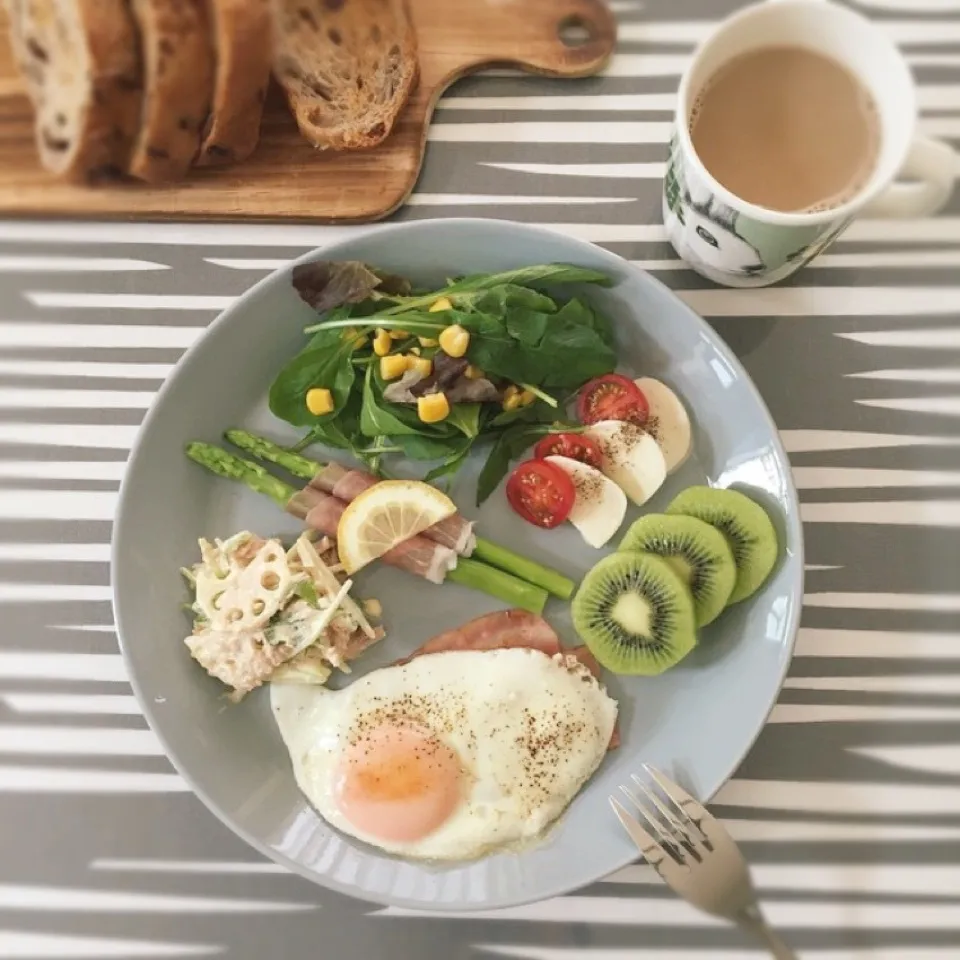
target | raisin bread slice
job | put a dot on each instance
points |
(242, 36)
(81, 64)
(178, 62)
(347, 67)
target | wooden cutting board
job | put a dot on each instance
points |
(287, 178)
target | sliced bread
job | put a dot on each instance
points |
(241, 32)
(81, 64)
(347, 67)
(178, 62)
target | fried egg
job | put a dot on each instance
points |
(450, 755)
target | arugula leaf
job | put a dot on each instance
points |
(376, 420)
(430, 448)
(510, 296)
(578, 311)
(494, 468)
(327, 363)
(341, 433)
(538, 412)
(494, 350)
(451, 465)
(543, 275)
(373, 458)
(465, 417)
(528, 326)
(571, 353)
(524, 313)
(322, 337)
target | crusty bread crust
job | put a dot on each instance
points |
(347, 67)
(244, 51)
(84, 130)
(178, 63)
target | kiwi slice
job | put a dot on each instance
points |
(746, 526)
(635, 614)
(696, 551)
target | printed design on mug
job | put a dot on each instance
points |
(726, 245)
(704, 230)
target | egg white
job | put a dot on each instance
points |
(529, 730)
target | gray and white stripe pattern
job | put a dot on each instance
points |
(849, 806)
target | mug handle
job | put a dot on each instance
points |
(932, 165)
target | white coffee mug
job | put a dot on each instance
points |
(740, 244)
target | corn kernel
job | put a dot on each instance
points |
(415, 351)
(372, 607)
(399, 335)
(393, 366)
(527, 397)
(381, 343)
(511, 398)
(319, 401)
(454, 341)
(444, 303)
(433, 408)
(473, 373)
(422, 365)
(354, 336)
(428, 342)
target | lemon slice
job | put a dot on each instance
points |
(387, 514)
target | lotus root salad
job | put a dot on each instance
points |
(479, 739)
(263, 613)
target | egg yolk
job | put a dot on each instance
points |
(399, 783)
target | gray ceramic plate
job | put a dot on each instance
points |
(695, 722)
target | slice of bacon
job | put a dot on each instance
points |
(495, 631)
(506, 629)
(425, 558)
(346, 484)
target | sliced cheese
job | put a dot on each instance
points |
(600, 504)
(632, 458)
(668, 421)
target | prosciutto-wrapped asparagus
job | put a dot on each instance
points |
(455, 532)
(321, 511)
(422, 557)
(345, 484)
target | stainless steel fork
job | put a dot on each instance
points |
(694, 854)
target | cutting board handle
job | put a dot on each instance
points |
(563, 38)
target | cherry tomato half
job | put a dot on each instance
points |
(612, 397)
(541, 493)
(572, 445)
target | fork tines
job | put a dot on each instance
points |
(670, 823)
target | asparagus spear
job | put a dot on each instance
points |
(252, 475)
(499, 584)
(468, 573)
(263, 449)
(529, 570)
(492, 553)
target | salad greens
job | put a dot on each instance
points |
(521, 335)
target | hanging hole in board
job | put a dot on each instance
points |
(574, 31)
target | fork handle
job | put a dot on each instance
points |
(752, 920)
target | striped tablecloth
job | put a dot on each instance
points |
(849, 805)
